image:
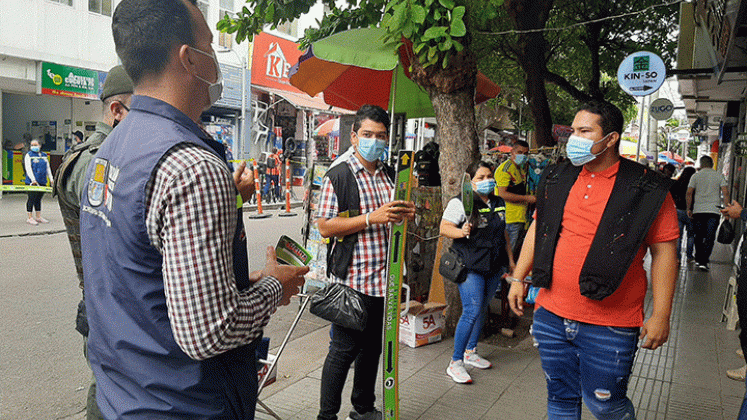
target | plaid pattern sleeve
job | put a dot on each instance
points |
(191, 219)
(327, 208)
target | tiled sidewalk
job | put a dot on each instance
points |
(684, 379)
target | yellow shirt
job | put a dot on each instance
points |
(509, 174)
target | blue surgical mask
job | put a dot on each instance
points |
(484, 187)
(578, 150)
(35, 148)
(370, 149)
(520, 159)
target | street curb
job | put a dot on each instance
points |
(44, 232)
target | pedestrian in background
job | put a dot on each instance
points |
(355, 211)
(511, 186)
(679, 194)
(77, 138)
(706, 193)
(38, 172)
(174, 315)
(273, 175)
(594, 224)
(71, 176)
(483, 243)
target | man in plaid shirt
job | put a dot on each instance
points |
(355, 210)
(174, 315)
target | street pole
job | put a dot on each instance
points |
(243, 141)
(640, 131)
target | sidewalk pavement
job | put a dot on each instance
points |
(684, 379)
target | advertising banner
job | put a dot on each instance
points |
(272, 58)
(72, 82)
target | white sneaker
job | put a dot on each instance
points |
(737, 374)
(473, 359)
(458, 373)
(42, 220)
(32, 221)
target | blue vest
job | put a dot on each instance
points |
(38, 166)
(140, 370)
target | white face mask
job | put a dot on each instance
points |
(215, 89)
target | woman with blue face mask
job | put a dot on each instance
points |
(482, 241)
(36, 164)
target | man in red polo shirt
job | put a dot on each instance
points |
(597, 215)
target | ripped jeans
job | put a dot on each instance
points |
(586, 360)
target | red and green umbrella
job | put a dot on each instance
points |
(357, 67)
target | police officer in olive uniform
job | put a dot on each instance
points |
(115, 95)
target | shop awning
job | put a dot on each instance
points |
(304, 101)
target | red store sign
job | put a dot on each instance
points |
(271, 61)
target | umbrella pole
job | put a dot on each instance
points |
(393, 94)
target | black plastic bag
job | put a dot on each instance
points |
(725, 232)
(341, 305)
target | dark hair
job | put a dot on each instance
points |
(611, 118)
(476, 165)
(373, 113)
(706, 162)
(521, 143)
(146, 30)
(78, 134)
(670, 167)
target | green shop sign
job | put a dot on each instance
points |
(67, 81)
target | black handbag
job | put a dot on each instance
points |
(725, 232)
(341, 305)
(452, 266)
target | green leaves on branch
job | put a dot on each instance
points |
(431, 25)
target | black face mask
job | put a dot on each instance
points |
(114, 124)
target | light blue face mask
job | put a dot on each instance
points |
(370, 149)
(484, 187)
(578, 149)
(35, 148)
(520, 159)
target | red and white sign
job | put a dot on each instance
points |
(271, 61)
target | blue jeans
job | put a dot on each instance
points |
(705, 225)
(685, 222)
(584, 360)
(476, 292)
(515, 237)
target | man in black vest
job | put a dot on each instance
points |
(597, 215)
(355, 210)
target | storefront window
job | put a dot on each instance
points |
(204, 6)
(225, 39)
(65, 2)
(102, 7)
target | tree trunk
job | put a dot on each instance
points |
(531, 50)
(459, 146)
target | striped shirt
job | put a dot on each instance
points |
(191, 220)
(368, 268)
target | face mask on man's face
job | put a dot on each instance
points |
(215, 89)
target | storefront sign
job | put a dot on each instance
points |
(272, 58)
(231, 87)
(661, 109)
(67, 81)
(641, 73)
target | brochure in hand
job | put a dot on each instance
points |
(290, 252)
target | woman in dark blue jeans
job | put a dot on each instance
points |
(482, 241)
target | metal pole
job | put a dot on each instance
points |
(393, 95)
(640, 131)
(243, 141)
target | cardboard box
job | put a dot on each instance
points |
(422, 324)
(264, 368)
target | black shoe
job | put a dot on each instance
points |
(371, 415)
(703, 267)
